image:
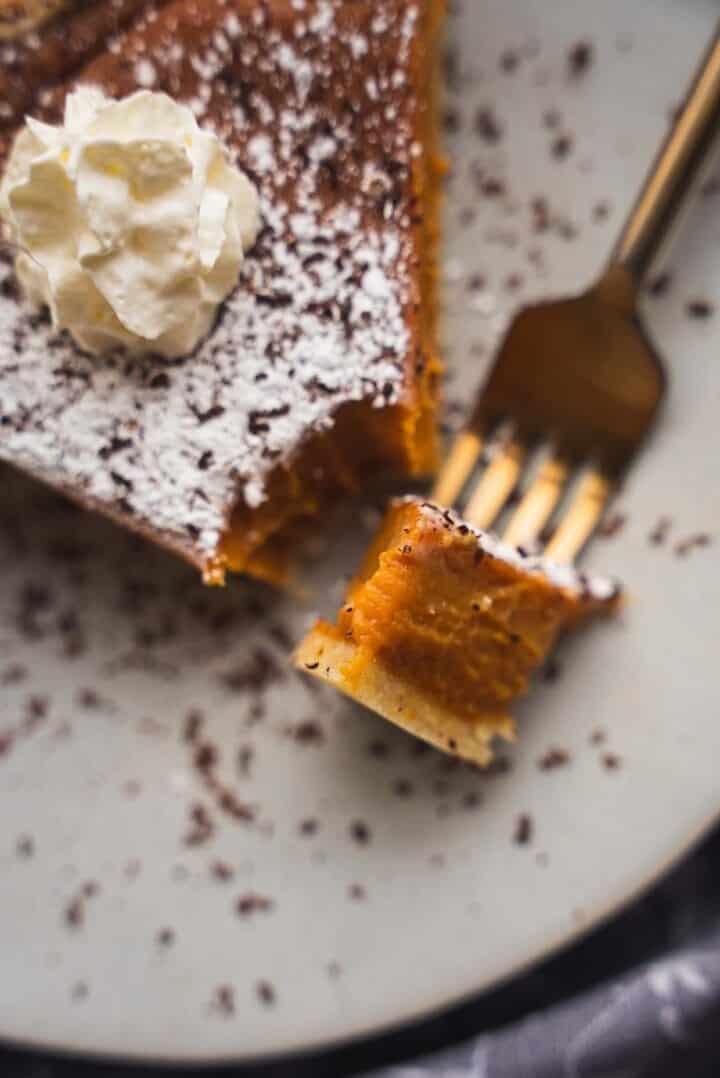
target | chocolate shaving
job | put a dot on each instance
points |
(360, 832)
(659, 285)
(524, 828)
(660, 532)
(248, 904)
(487, 125)
(554, 757)
(580, 58)
(265, 993)
(692, 542)
(308, 732)
(699, 308)
(612, 525)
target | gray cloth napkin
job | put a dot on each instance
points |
(611, 1032)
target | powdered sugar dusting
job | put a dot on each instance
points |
(319, 317)
(562, 576)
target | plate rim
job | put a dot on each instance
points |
(560, 943)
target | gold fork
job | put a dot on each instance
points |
(579, 376)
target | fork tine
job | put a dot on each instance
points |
(587, 506)
(456, 470)
(495, 485)
(538, 503)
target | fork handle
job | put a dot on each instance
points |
(675, 167)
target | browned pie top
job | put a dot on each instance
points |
(319, 102)
(41, 41)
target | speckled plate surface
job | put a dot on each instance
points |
(205, 857)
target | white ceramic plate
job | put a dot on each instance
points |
(106, 645)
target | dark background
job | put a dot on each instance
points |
(684, 908)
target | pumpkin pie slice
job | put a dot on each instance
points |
(444, 626)
(321, 372)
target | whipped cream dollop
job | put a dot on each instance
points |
(131, 222)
